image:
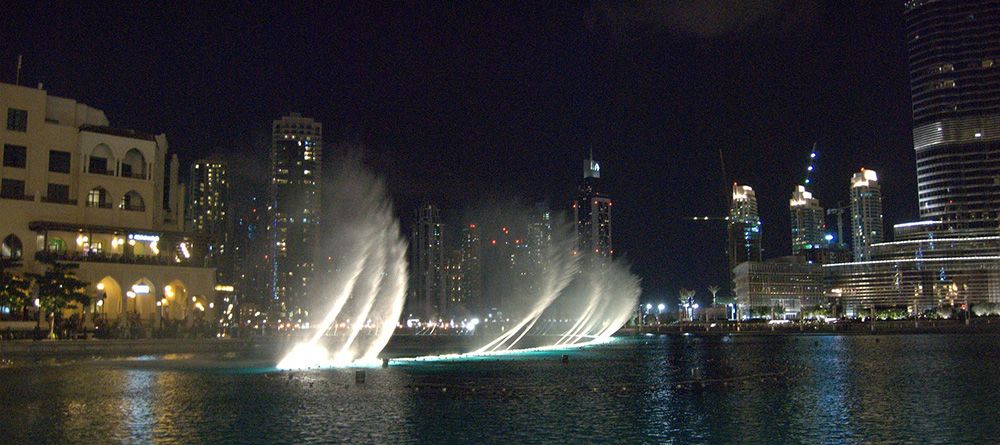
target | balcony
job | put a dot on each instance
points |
(59, 200)
(100, 171)
(17, 197)
(100, 257)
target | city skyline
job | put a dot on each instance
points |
(655, 179)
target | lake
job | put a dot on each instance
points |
(653, 389)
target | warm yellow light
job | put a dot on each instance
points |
(168, 291)
(100, 286)
(130, 294)
(81, 239)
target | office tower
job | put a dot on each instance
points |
(866, 213)
(210, 215)
(744, 229)
(472, 268)
(808, 225)
(428, 286)
(954, 53)
(295, 188)
(539, 236)
(592, 212)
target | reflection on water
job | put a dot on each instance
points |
(927, 388)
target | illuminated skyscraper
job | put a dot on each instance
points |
(954, 50)
(592, 212)
(866, 213)
(296, 156)
(428, 280)
(210, 214)
(808, 224)
(472, 268)
(744, 228)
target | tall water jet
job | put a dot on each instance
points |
(569, 299)
(366, 290)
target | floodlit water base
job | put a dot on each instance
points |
(305, 356)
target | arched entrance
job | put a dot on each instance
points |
(176, 301)
(108, 299)
(143, 296)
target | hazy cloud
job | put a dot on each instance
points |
(706, 19)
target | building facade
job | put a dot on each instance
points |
(428, 283)
(592, 212)
(295, 207)
(954, 56)
(472, 268)
(781, 288)
(808, 221)
(744, 227)
(210, 215)
(866, 213)
(75, 189)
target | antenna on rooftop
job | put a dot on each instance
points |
(17, 78)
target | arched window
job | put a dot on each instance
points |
(133, 201)
(134, 164)
(98, 197)
(12, 248)
(101, 160)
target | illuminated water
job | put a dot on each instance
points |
(367, 288)
(782, 389)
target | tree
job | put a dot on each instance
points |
(713, 289)
(58, 288)
(687, 300)
(15, 291)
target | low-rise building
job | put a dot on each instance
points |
(75, 189)
(779, 288)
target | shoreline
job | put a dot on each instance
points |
(404, 345)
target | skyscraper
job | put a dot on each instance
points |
(296, 155)
(866, 213)
(539, 235)
(592, 212)
(472, 268)
(210, 214)
(808, 223)
(428, 281)
(954, 51)
(744, 228)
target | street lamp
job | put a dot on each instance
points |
(128, 316)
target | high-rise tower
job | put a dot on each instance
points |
(744, 228)
(808, 224)
(428, 285)
(296, 156)
(210, 214)
(866, 213)
(954, 52)
(592, 212)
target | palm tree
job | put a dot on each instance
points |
(59, 288)
(15, 291)
(713, 289)
(687, 300)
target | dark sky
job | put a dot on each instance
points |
(465, 103)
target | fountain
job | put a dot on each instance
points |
(368, 286)
(592, 295)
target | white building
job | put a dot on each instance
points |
(76, 189)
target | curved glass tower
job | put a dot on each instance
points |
(954, 55)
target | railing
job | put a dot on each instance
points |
(135, 208)
(99, 205)
(100, 257)
(17, 197)
(59, 200)
(100, 171)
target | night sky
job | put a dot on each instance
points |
(467, 103)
